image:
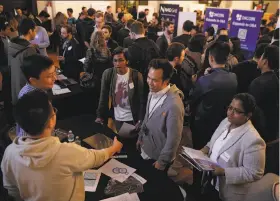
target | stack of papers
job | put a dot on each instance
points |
(117, 170)
(60, 91)
(124, 197)
(61, 77)
(91, 179)
(198, 159)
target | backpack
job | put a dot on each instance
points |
(147, 54)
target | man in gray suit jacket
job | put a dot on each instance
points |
(162, 127)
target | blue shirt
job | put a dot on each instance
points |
(27, 88)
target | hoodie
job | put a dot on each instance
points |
(18, 49)
(33, 168)
(161, 142)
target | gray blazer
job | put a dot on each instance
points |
(242, 157)
(161, 133)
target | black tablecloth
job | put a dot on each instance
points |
(158, 187)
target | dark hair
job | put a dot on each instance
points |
(68, 28)
(220, 52)
(236, 45)
(108, 7)
(3, 24)
(44, 14)
(34, 65)
(155, 15)
(120, 15)
(248, 102)
(83, 7)
(141, 14)
(260, 50)
(91, 12)
(98, 15)
(210, 31)
(164, 65)
(187, 26)
(271, 53)
(137, 27)
(276, 34)
(167, 23)
(108, 17)
(70, 10)
(108, 28)
(196, 43)
(120, 50)
(221, 29)
(129, 23)
(174, 50)
(146, 9)
(265, 31)
(25, 25)
(223, 38)
(32, 118)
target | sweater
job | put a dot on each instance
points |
(33, 168)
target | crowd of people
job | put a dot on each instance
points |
(157, 83)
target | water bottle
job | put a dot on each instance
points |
(71, 136)
(77, 140)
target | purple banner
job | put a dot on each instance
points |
(246, 26)
(169, 12)
(216, 18)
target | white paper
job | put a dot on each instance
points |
(139, 178)
(126, 130)
(60, 91)
(61, 77)
(82, 60)
(124, 197)
(91, 182)
(110, 168)
(56, 87)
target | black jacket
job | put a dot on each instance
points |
(162, 44)
(37, 22)
(135, 94)
(71, 66)
(112, 45)
(245, 72)
(265, 89)
(122, 34)
(184, 39)
(127, 42)
(89, 26)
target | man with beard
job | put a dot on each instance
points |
(165, 39)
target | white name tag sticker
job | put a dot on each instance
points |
(131, 85)
(70, 48)
(225, 156)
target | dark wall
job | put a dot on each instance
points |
(9, 5)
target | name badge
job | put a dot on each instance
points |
(225, 156)
(70, 48)
(131, 85)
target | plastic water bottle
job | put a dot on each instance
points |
(71, 136)
(77, 140)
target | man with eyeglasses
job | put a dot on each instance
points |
(40, 74)
(124, 86)
(38, 166)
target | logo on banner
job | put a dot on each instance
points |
(168, 10)
(213, 14)
(240, 17)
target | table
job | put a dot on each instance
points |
(158, 187)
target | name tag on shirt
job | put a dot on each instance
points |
(70, 48)
(131, 85)
(225, 156)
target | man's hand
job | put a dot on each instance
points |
(138, 145)
(207, 71)
(117, 145)
(81, 74)
(99, 121)
(137, 126)
(35, 46)
(158, 166)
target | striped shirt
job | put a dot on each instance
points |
(27, 88)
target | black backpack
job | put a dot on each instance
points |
(147, 54)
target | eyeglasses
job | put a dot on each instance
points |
(235, 110)
(118, 60)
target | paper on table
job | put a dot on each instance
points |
(61, 77)
(124, 197)
(91, 179)
(60, 91)
(56, 87)
(139, 178)
(82, 60)
(125, 130)
(117, 170)
(99, 141)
